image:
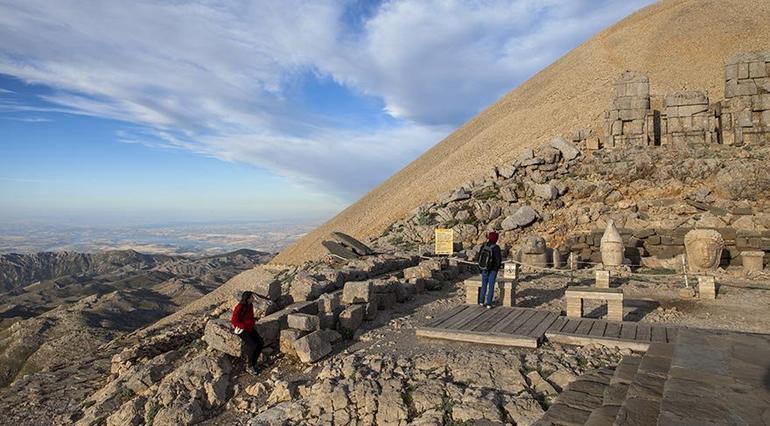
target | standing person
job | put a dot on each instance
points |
(243, 322)
(490, 260)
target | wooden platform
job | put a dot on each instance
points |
(507, 326)
(632, 335)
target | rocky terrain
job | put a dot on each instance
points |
(90, 299)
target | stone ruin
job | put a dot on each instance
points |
(689, 117)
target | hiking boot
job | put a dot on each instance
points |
(489, 306)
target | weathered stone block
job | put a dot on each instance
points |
(574, 307)
(305, 287)
(603, 279)
(303, 322)
(269, 329)
(218, 334)
(370, 312)
(328, 321)
(353, 244)
(329, 302)
(287, 339)
(312, 347)
(350, 319)
(357, 292)
(707, 287)
(753, 261)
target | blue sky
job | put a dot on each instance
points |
(151, 111)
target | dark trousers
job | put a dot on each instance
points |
(254, 345)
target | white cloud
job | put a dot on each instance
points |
(216, 77)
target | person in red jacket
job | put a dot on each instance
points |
(243, 322)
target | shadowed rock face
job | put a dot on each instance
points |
(570, 94)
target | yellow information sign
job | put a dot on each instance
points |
(445, 239)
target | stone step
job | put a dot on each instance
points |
(641, 405)
(574, 405)
(615, 393)
(718, 378)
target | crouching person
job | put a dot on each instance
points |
(243, 323)
(490, 259)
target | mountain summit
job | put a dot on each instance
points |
(678, 44)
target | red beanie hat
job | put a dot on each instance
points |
(493, 236)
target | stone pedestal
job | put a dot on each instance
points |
(574, 307)
(603, 279)
(707, 288)
(506, 286)
(509, 293)
(753, 261)
(511, 271)
(614, 297)
(615, 310)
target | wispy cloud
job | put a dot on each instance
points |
(217, 78)
(28, 119)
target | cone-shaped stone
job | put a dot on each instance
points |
(612, 246)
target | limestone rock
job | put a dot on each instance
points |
(350, 319)
(329, 302)
(459, 195)
(336, 249)
(524, 216)
(259, 281)
(568, 151)
(539, 385)
(357, 292)
(356, 246)
(545, 191)
(506, 171)
(218, 334)
(305, 287)
(288, 337)
(303, 322)
(312, 347)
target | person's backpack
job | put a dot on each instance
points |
(486, 257)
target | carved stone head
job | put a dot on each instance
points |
(704, 249)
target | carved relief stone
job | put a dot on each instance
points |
(704, 249)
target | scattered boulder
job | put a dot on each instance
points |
(350, 319)
(458, 195)
(303, 322)
(258, 280)
(312, 347)
(218, 334)
(524, 216)
(568, 151)
(336, 249)
(545, 191)
(353, 244)
(288, 337)
(357, 292)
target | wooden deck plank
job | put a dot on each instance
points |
(468, 318)
(658, 334)
(470, 310)
(613, 330)
(643, 332)
(531, 323)
(497, 316)
(468, 325)
(558, 324)
(521, 319)
(598, 328)
(446, 316)
(539, 331)
(571, 326)
(515, 313)
(475, 337)
(584, 327)
(628, 331)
